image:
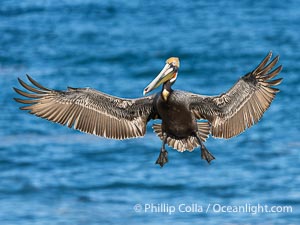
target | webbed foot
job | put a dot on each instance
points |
(205, 154)
(162, 158)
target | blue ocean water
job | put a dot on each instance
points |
(50, 174)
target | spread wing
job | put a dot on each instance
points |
(89, 110)
(243, 105)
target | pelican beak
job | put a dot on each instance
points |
(168, 72)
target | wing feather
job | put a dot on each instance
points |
(243, 105)
(88, 110)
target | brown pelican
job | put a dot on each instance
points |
(222, 116)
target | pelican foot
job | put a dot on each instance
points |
(162, 158)
(205, 154)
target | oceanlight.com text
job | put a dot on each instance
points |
(211, 208)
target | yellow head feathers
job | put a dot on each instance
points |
(173, 61)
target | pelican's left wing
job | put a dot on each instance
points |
(243, 105)
(89, 110)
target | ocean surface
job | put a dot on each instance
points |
(50, 174)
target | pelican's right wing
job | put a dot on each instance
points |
(89, 110)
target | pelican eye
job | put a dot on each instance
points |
(172, 64)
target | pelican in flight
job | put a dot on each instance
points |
(186, 118)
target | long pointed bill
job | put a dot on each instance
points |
(167, 73)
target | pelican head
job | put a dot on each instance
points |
(168, 73)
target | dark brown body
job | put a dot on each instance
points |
(177, 119)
